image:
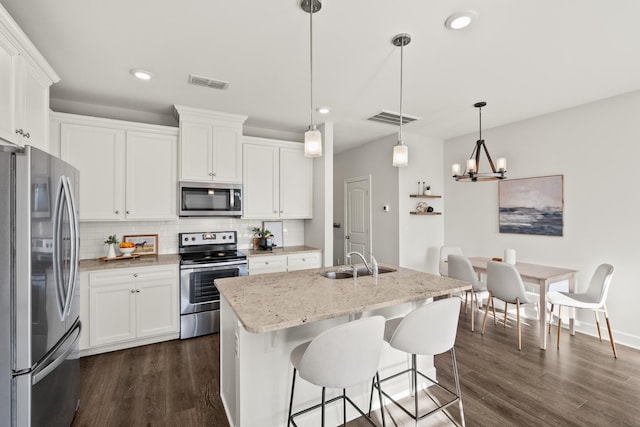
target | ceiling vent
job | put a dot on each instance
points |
(207, 82)
(392, 118)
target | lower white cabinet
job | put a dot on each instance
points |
(132, 306)
(281, 263)
(267, 264)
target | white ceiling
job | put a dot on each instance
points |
(524, 58)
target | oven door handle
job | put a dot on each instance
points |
(210, 267)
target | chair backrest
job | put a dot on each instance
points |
(345, 355)
(599, 285)
(430, 329)
(445, 251)
(505, 283)
(460, 268)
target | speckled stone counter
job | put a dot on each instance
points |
(142, 261)
(285, 250)
(276, 301)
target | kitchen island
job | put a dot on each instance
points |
(264, 317)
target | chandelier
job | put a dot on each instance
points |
(472, 172)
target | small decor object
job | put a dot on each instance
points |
(422, 207)
(261, 238)
(276, 231)
(532, 205)
(510, 256)
(144, 244)
(112, 241)
(429, 208)
(426, 189)
(127, 248)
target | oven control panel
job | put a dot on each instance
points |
(208, 238)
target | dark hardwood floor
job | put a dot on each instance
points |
(176, 383)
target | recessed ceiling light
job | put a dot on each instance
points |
(460, 20)
(323, 110)
(141, 74)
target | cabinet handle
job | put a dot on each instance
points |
(133, 291)
(281, 211)
(304, 260)
(266, 263)
(128, 212)
(27, 135)
(117, 212)
(135, 274)
(137, 291)
(275, 211)
(19, 132)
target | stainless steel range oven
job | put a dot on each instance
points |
(205, 257)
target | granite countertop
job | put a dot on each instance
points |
(284, 250)
(271, 302)
(142, 261)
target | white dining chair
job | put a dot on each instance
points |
(445, 251)
(340, 357)
(504, 282)
(428, 330)
(593, 299)
(460, 268)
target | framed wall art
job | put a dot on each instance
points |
(145, 244)
(532, 205)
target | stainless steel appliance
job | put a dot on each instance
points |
(210, 199)
(205, 257)
(39, 303)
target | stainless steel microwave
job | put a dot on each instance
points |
(209, 199)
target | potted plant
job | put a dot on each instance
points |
(262, 237)
(112, 241)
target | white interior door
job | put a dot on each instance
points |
(357, 221)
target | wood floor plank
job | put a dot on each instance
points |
(176, 383)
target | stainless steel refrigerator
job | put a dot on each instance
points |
(39, 303)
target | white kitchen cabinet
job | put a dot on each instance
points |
(133, 306)
(267, 264)
(304, 261)
(98, 153)
(151, 176)
(210, 145)
(262, 264)
(277, 180)
(128, 171)
(25, 78)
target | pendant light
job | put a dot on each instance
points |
(472, 171)
(312, 137)
(400, 150)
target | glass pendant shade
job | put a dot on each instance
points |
(312, 143)
(400, 155)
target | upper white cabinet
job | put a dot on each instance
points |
(210, 145)
(25, 78)
(128, 171)
(277, 180)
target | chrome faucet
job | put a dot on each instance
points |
(373, 268)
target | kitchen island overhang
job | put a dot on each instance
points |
(264, 317)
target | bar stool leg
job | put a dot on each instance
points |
(322, 416)
(415, 383)
(293, 385)
(344, 407)
(384, 424)
(454, 364)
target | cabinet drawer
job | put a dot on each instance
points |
(303, 261)
(267, 264)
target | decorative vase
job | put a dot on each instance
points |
(111, 253)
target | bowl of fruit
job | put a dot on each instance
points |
(127, 248)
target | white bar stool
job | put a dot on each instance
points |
(340, 357)
(429, 330)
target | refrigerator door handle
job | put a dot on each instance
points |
(49, 364)
(57, 248)
(75, 238)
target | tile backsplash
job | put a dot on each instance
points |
(93, 234)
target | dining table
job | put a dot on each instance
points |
(542, 276)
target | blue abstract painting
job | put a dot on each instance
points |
(532, 205)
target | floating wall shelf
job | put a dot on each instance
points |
(425, 213)
(422, 196)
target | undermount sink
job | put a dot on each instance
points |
(362, 271)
